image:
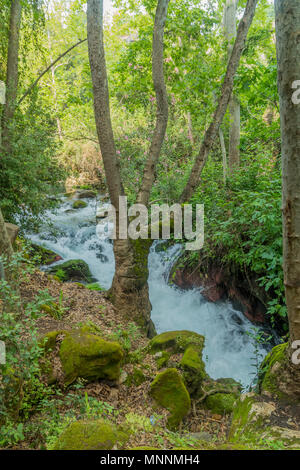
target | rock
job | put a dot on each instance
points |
(169, 391)
(79, 204)
(256, 421)
(86, 194)
(222, 402)
(91, 435)
(176, 341)
(191, 345)
(272, 373)
(12, 231)
(193, 367)
(72, 270)
(84, 354)
(44, 255)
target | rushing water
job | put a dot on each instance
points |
(229, 350)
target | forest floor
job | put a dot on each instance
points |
(119, 402)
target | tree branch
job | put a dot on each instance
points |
(29, 90)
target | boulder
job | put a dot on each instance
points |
(86, 194)
(222, 395)
(44, 255)
(191, 345)
(86, 355)
(91, 435)
(79, 204)
(259, 421)
(73, 270)
(169, 391)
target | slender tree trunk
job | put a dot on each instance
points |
(226, 92)
(288, 58)
(12, 75)
(224, 159)
(129, 291)
(54, 88)
(234, 104)
(161, 102)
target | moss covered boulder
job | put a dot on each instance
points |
(190, 345)
(169, 391)
(79, 204)
(75, 270)
(84, 354)
(91, 435)
(259, 421)
(222, 395)
(276, 375)
(43, 255)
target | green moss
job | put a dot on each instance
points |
(269, 369)
(72, 270)
(177, 341)
(79, 204)
(163, 359)
(44, 255)
(88, 356)
(169, 391)
(137, 377)
(54, 310)
(141, 250)
(94, 286)
(252, 425)
(221, 403)
(193, 367)
(91, 435)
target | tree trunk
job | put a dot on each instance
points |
(288, 58)
(12, 75)
(129, 291)
(161, 102)
(226, 92)
(234, 104)
(6, 250)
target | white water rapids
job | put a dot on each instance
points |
(229, 350)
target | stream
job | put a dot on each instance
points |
(229, 350)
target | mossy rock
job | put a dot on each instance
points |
(169, 391)
(223, 401)
(90, 357)
(189, 343)
(72, 270)
(44, 255)
(137, 377)
(91, 435)
(193, 368)
(270, 371)
(255, 422)
(79, 204)
(85, 193)
(176, 341)
(84, 354)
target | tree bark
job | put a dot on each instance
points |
(288, 59)
(234, 104)
(161, 102)
(226, 92)
(12, 74)
(129, 291)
